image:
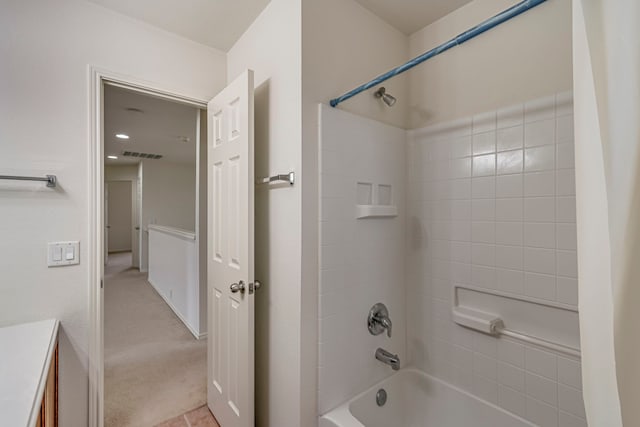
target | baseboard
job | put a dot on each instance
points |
(197, 335)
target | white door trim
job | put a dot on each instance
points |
(97, 78)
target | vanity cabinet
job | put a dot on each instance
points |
(29, 374)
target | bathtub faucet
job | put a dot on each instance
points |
(387, 358)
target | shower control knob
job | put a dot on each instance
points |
(238, 287)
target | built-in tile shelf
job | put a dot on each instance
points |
(376, 211)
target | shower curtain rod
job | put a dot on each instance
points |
(490, 23)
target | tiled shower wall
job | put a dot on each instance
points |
(491, 204)
(361, 260)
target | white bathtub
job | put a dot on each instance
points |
(415, 399)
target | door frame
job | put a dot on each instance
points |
(99, 77)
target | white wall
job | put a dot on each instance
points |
(47, 48)
(168, 198)
(272, 48)
(361, 260)
(526, 57)
(492, 206)
(173, 273)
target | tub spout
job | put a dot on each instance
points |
(388, 358)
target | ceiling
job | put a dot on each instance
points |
(409, 16)
(220, 23)
(215, 23)
(160, 127)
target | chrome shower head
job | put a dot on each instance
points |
(388, 99)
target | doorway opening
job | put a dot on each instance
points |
(155, 305)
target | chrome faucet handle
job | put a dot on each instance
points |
(378, 320)
(385, 322)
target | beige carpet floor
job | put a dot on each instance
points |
(154, 368)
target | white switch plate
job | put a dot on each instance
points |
(63, 253)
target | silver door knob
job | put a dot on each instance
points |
(237, 287)
(254, 286)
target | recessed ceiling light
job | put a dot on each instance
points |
(112, 157)
(122, 136)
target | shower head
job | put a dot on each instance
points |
(388, 99)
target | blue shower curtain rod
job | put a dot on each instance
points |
(498, 19)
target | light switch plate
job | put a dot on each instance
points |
(60, 254)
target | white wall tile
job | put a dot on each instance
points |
(483, 210)
(565, 158)
(541, 362)
(508, 186)
(509, 162)
(566, 209)
(511, 138)
(566, 236)
(484, 143)
(540, 133)
(567, 263)
(510, 209)
(509, 257)
(485, 367)
(483, 254)
(509, 233)
(539, 159)
(566, 182)
(540, 235)
(512, 400)
(569, 373)
(567, 290)
(485, 389)
(484, 165)
(495, 204)
(539, 184)
(570, 401)
(540, 209)
(483, 187)
(511, 376)
(541, 414)
(568, 420)
(541, 286)
(511, 352)
(510, 280)
(564, 129)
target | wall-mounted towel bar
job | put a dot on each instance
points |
(289, 177)
(51, 180)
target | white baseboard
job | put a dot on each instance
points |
(196, 334)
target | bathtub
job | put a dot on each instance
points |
(415, 399)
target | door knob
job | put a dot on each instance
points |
(238, 287)
(254, 286)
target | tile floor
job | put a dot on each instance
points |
(200, 417)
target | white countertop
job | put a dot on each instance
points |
(26, 351)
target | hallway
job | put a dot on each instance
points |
(154, 368)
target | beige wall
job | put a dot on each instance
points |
(522, 59)
(46, 49)
(168, 198)
(271, 47)
(120, 213)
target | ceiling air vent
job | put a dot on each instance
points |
(141, 155)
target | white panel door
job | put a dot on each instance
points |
(230, 387)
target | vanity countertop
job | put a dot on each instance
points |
(26, 352)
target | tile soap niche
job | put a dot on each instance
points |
(375, 201)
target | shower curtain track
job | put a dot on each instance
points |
(490, 23)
